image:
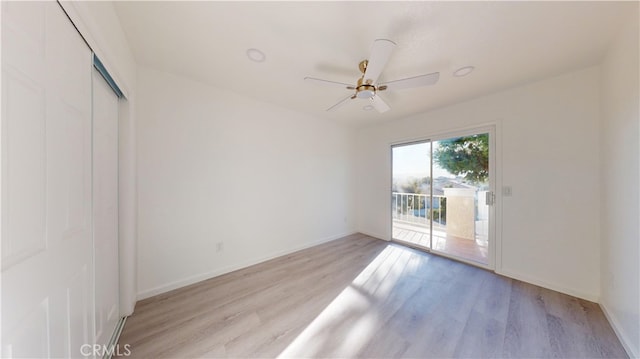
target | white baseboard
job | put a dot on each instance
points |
(615, 324)
(204, 276)
(592, 297)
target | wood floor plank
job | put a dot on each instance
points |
(362, 297)
(526, 333)
(482, 337)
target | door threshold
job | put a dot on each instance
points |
(442, 254)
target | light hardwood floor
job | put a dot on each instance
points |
(362, 297)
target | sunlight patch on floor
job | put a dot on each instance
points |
(348, 323)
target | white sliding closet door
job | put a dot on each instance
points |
(105, 208)
(47, 266)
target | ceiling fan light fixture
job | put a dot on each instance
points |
(463, 71)
(365, 90)
(256, 55)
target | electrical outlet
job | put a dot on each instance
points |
(219, 246)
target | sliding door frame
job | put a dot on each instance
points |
(494, 245)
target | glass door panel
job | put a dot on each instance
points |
(410, 194)
(461, 184)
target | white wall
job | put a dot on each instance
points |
(620, 248)
(99, 24)
(548, 146)
(214, 166)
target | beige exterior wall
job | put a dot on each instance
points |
(460, 212)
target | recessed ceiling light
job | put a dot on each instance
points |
(256, 55)
(463, 71)
(368, 108)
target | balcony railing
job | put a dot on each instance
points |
(419, 208)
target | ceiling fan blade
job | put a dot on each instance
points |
(380, 54)
(341, 102)
(329, 83)
(379, 104)
(418, 81)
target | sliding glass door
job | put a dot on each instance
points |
(441, 196)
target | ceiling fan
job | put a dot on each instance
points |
(367, 86)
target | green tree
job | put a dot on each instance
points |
(466, 156)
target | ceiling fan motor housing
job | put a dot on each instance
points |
(365, 90)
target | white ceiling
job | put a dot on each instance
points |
(509, 43)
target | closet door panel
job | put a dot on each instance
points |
(47, 265)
